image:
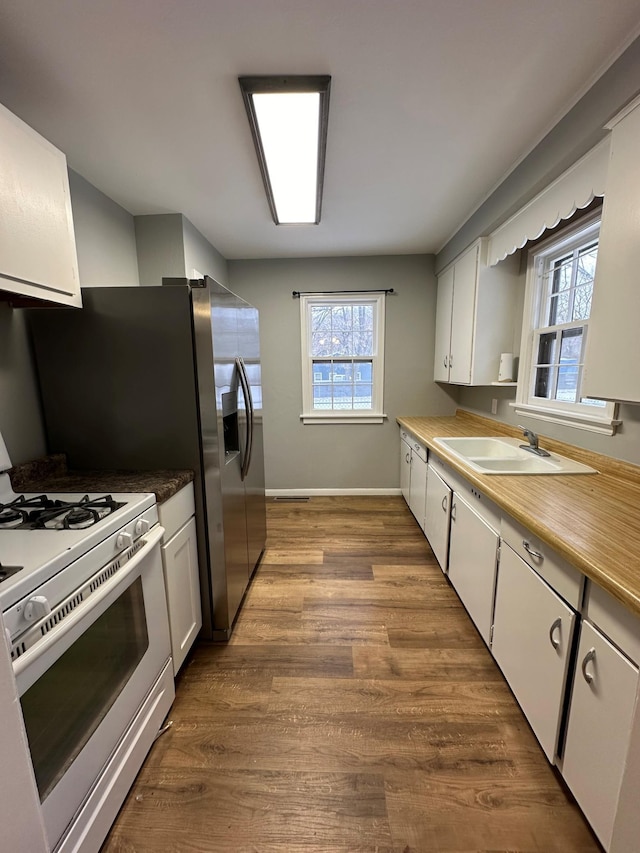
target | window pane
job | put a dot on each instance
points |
(363, 318)
(559, 298)
(582, 302)
(342, 317)
(363, 396)
(545, 370)
(568, 369)
(343, 396)
(546, 348)
(362, 343)
(543, 381)
(342, 384)
(320, 318)
(586, 266)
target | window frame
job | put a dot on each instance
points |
(375, 415)
(581, 415)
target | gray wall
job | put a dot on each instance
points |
(106, 256)
(170, 245)
(200, 255)
(349, 456)
(105, 237)
(20, 417)
(160, 247)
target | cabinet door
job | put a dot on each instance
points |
(180, 560)
(443, 326)
(37, 242)
(473, 549)
(418, 488)
(611, 358)
(599, 726)
(405, 469)
(532, 634)
(462, 318)
(437, 515)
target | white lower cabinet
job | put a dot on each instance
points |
(473, 551)
(405, 467)
(437, 516)
(413, 474)
(418, 488)
(599, 728)
(532, 637)
(181, 572)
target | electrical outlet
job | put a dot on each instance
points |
(494, 406)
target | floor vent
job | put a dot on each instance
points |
(292, 498)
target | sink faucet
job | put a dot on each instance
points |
(532, 438)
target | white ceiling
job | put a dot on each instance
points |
(433, 102)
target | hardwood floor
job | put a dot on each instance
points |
(354, 709)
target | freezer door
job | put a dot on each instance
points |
(215, 317)
(254, 482)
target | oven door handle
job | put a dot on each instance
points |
(56, 633)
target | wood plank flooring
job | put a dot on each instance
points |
(354, 709)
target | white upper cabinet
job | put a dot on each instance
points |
(37, 242)
(474, 317)
(611, 360)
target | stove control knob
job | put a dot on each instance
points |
(36, 608)
(124, 540)
(142, 526)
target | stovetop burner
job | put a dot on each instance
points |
(40, 512)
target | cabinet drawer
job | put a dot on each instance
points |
(620, 625)
(174, 512)
(566, 580)
(415, 445)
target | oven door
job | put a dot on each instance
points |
(81, 685)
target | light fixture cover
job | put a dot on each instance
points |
(288, 118)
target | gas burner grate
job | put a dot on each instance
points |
(18, 511)
(44, 513)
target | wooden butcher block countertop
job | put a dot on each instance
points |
(592, 520)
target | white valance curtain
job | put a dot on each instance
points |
(574, 189)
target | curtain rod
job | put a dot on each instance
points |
(298, 293)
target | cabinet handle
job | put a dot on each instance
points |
(590, 656)
(444, 504)
(453, 512)
(450, 361)
(555, 641)
(535, 554)
(445, 362)
(407, 459)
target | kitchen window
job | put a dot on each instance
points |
(560, 279)
(342, 357)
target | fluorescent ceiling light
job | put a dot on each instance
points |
(288, 118)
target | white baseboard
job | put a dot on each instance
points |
(310, 493)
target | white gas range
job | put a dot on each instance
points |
(83, 604)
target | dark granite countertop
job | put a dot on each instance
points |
(51, 474)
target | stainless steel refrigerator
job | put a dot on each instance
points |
(167, 377)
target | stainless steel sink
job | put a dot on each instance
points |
(501, 455)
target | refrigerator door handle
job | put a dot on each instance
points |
(246, 393)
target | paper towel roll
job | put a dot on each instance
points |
(505, 371)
